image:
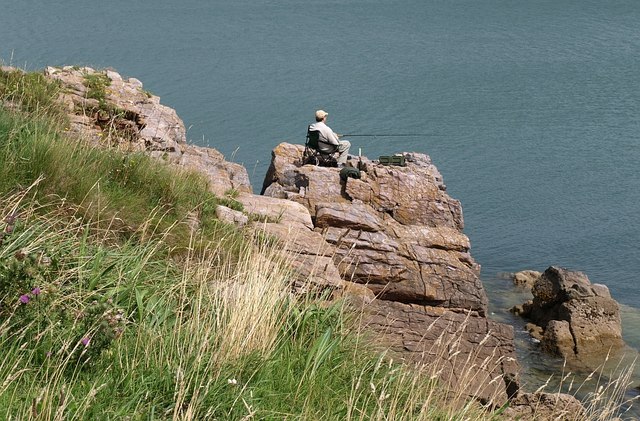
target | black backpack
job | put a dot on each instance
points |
(349, 172)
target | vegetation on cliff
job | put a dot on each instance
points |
(113, 304)
(123, 297)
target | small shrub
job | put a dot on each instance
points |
(232, 193)
(146, 92)
(230, 203)
(97, 84)
(21, 271)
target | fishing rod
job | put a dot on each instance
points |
(389, 135)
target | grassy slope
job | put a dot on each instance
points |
(111, 306)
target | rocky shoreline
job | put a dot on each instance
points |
(571, 317)
(391, 243)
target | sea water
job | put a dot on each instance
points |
(529, 108)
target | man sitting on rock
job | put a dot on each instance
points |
(328, 141)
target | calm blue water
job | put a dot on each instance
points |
(532, 106)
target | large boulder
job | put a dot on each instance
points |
(223, 176)
(395, 229)
(579, 320)
(399, 234)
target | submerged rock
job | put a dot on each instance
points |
(525, 278)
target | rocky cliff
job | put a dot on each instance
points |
(390, 243)
(398, 233)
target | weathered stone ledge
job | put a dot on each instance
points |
(132, 119)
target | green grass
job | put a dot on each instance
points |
(107, 183)
(97, 84)
(211, 331)
(199, 338)
(30, 92)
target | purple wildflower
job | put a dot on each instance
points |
(36, 291)
(24, 299)
(85, 341)
(11, 218)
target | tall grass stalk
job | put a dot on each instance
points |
(605, 395)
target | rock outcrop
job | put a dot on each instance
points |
(398, 233)
(576, 319)
(290, 224)
(111, 111)
(395, 229)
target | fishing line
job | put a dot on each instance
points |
(389, 135)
